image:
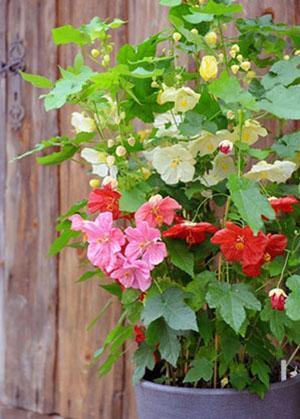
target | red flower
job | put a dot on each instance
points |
(192, 233)
(139, 334)
(275, 245)
(277, 297)
(105, 199)
(239, 244)
(284, 205)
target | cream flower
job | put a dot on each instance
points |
(208, 68)
(208, 143)
(278, 172)
(211, 38)
(99, 163)
(174, 164)
(166, 123)
(222, 166)
(251, 132)
(185, 98)
(82, 123)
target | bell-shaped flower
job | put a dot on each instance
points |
(251, 132)
(158, 211)
(208, 142)
(208, 68)
(101, 166)
(133, 274)
(278, 172)
(82, 123)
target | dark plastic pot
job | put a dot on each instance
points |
(156, 401)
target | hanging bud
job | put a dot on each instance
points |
(286, 57)
(94, 183)
(246, 65)
(208, 68)
(131, 141)
(221, 57)
(120, 151)
(240, 58)
(235, 68)
(230, 115)
(277, 297)
(154, 84)
(297, 53)
(110, 143)
(194, 31)
(225, 147)
(176, 36)
(95, 53)
(110, 161)
(211, 38)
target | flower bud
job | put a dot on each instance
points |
(94, 183)
(221, 57)
(208, 68)
(235, 48)
(110, 161)
(240, 58)
(120, 151)
(235, 68)
(277, 297)
(194, 31)
(106, 60)
(95, 53)
(131, 141)
(246, 65)
(297, 53)
(251, 75)
(109, 180)
(211, 38)
(286, 57)
(146, 172)
(154, 84)
(176, 36)
(224, 382)
(110, 143)
(225, 147)
(230, 115)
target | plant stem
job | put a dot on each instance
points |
(283, 269)
(223, 46)
(293, 355)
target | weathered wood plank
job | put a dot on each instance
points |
(7, 412)
(3, 6)
(30, 210)
(80, 392)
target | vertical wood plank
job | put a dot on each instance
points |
(3, 5)
(30, 210)
(80, 392)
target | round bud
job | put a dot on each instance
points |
(286, 57)
(235, 68)
(240, 58)
(230, 115)
(154, 84)
(109, 180)
(176, 36)
(94, 183)
(131, 141)
(110, 143)
(120, 151)
(211, 38)
(194, 31)
(246, 65)
(225, 147)
(221, 57)
(95, 53)
(297, 53)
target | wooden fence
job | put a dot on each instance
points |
(44, 345)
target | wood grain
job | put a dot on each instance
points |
(30, 201)
(80, 392)
(7, 412)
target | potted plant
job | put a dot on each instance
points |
(192, 222)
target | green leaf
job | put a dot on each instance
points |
(143, 358)
(160, 333)
(262, 370)
(218, 9)
(282, 72)
(63, 239)
(37, 81)
(66, 153)
(292, 304)
(198, 288)
(192, 124)
(68, 34)
(205, 327)
(282, 102)
(89, 274)
(231, 302)
(109, 363)
(181, 256)
(201, 369)
(239, 377)
(170, 3)
(171, 306)
(249, 201)
(228, 89)
(277, 320)
(230, 343)
(114, 289)
(288, 145)
(197, 17)
(131, 200)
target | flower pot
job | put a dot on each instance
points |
(155, 401)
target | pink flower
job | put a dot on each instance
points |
(105, 241)
(144, 241)
(158, 211)
(133, 274)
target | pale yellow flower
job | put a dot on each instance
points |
(251, 132)
(246, 65)
(208, 68)
(185, 98)
(235, 68)
(222, 167)
(279, 171)
(82, 123)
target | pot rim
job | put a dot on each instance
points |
(210, 391)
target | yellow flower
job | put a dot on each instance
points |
(185, 98)
(211, 38)
(94, 183)
(251, 131)
(208, 68)
(222, 166)
(279, 171)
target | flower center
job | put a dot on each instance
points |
(239, 245)
(184, 103)
(175, 162)
(267, 257)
